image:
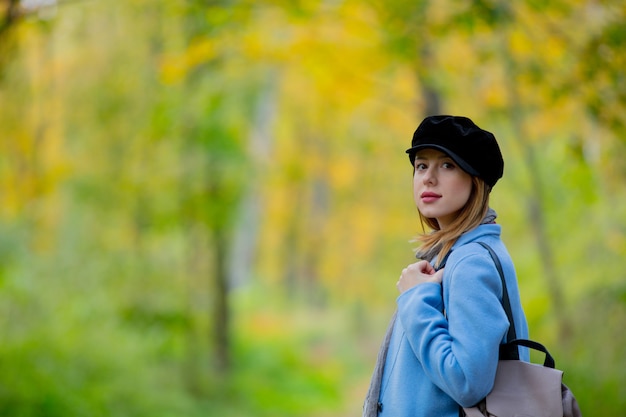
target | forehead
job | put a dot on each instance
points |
(429, 153)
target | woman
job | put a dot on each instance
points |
(441, 349)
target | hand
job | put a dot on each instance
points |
(418, 273)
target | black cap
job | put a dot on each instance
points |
(474, 149)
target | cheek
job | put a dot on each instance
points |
(464, 190)
(416, 189)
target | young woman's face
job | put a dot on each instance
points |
(440, 187)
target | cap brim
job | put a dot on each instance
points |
(464, 165)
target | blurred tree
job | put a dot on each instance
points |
(155, 152)
(411, 35)
(517, 69)
(213, 135)
(10, 14)
(602, 85)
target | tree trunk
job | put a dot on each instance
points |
(196, 254)
(11, 14)
(430, 96)
(221, 311)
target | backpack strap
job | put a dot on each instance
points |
(506, 351)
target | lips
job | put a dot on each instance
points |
(429, 197)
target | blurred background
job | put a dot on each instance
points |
(205, 205)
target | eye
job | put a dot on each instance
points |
(420, 166)
(448, 165)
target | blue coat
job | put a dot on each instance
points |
(435, 363)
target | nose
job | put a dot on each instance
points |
(428, 177)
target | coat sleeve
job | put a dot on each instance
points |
(459, 354)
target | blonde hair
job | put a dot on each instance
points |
(469, 217)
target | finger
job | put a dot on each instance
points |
(438, 276)
(426, 267)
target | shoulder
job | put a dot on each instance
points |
(470, 244)
(471, 265)
(483, 232)
(471, 255)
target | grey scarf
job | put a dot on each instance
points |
(370, 406)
